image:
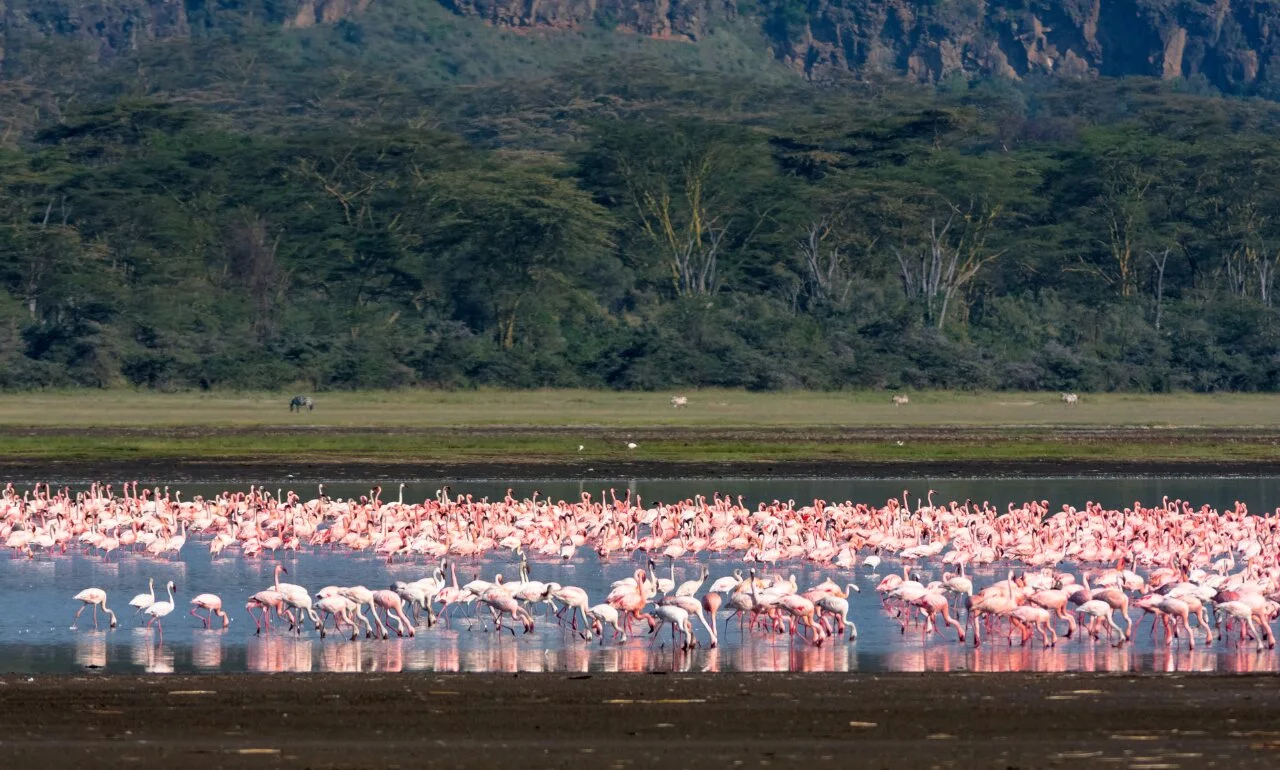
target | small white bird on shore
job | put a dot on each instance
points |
(631, 445)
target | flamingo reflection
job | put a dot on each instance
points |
(91, 650)
(274, 654)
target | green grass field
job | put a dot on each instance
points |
(557, 408)
(717, 426)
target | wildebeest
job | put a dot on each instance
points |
(1070, 398)
(298, 402)
(900, 400)
(679, 401)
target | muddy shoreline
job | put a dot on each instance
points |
(507, 463)
(637, 720)
(255, 470)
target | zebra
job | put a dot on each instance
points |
(299, 402)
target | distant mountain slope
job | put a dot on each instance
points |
(1230, 44)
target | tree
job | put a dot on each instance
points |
(688, 185)
(953, 252)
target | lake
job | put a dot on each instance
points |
(36, 603)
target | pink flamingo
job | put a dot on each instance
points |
(92, 597)
(212, 603)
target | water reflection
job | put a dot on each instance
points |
(151, 653)
(206, 649)
(208, 652)
(274, 654)
(91, 650)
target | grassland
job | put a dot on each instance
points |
(573, 408)
(546, 428)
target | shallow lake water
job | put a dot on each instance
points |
(36, 605)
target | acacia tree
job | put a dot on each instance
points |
(1121, 181)
(1249, 220)
(948, 258)
(826, 265)
(520, 240)
(252, 254)
(687, 185)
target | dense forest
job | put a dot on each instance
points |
(250, 212)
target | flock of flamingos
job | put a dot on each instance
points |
(1201, 573)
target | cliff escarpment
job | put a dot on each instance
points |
(1229, 43)
(110, 27)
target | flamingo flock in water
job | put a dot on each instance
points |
(1190, 568)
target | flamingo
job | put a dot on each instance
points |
(690, 587)
(143, 601)
(212, 603)
(265, 601)
(678, 617)
(176, 542)
(159, 610)
(340, 608)
(601, 614)
(1100, 610)
(92, 597)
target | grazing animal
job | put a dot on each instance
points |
(1070, 399)
(901, 400)
(679, 401)
(299, 402)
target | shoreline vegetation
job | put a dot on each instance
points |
(724, 430)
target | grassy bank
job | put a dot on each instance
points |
(679, 446)
(717, 426)
(712, 408)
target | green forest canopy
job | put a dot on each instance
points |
(641, 223)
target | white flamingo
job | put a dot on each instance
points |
(158, 610)
(143, 601)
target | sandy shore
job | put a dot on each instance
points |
(637, 720)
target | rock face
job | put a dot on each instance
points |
(665, 19)
(106, 27)
(109, 27)
(311, 12)
(1231, 43)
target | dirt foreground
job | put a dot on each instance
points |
(638, 720)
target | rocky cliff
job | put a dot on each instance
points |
(108, 27)
(1231, 43)
(664, 19)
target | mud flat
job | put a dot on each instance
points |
(638, 720)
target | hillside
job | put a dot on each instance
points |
(327, 195)
(1230, 44)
